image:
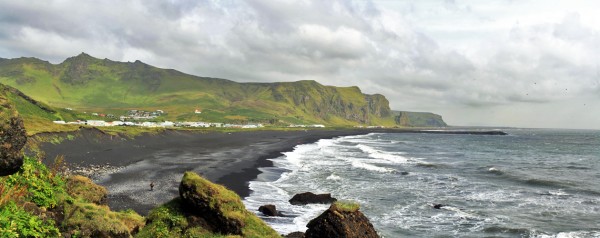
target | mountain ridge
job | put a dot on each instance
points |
(91, 84)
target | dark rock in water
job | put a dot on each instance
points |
(308, 198)
(12, 138)
(438, 206)
(268, 210)
(212, 202)
(403, 173)
(341, 221)
(297, 234)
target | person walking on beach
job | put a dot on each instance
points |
(151, 186)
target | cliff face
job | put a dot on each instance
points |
(418, 119)
(327, 102)
(12, 136)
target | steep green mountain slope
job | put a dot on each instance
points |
(88, 84)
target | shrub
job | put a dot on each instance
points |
(44, 188)
(16, 222)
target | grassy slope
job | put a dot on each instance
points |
(89, 84)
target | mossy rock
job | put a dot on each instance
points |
(12, 137)
(82, 187)
(91, 220)
(221, 208)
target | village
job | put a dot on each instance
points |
(140, 118)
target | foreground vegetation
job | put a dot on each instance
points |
(41, 202)
(38, 201)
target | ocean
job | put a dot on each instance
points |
(529, 183)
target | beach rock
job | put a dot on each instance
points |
(12, 138)
(268, 210)
(210, 201)
(297, 234)
(341, 220)
(308, 198)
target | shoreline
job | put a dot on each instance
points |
(232, 159)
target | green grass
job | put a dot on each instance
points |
(345, 206)
(107, 86)
(87, 217)
(83, 188)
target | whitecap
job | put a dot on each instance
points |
(333, 177)
(358, 164)
(387, 156)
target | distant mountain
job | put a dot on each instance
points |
(418, 119)
(88, 84)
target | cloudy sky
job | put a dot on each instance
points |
(491, 63)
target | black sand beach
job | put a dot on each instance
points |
(231, 159)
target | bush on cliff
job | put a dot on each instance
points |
(16, 222)
(43, 187)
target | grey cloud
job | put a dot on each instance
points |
(335, 42)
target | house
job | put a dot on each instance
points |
(116, 123)
(197, 111)
(95, 123)
(167, 124)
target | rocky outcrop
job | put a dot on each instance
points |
(308, 198)
(221, 208)
(342, 220)
(12, 137)
(268, 210)
(211, 200)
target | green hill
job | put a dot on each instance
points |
(88, 84)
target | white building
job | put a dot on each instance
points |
(96, 123)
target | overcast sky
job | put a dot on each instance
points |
(491, 63)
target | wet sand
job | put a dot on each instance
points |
(230, 159)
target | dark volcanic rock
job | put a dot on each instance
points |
(297, 234)
(342, 222)
(210, 201)
(268, 210)
(12, 138)
(308, 197)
